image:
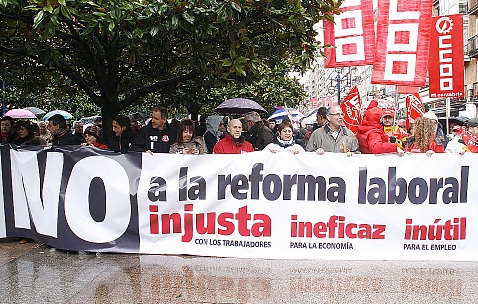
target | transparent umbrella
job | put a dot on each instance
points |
(239, 106)
(63, 113)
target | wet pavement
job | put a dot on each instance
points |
(35, 273)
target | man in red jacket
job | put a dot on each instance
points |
(234, 142)
(371, 137)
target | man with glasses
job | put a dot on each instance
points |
(333, 136)
(78, 130)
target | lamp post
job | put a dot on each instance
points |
(3, 96)
(342, 81)
(338, 80)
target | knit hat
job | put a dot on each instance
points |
(373, 112)
(430, 115)
(93, 131)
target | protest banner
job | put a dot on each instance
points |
(253, 205)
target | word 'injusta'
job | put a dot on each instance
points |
(205, 223)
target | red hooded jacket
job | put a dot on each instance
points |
(371, 137)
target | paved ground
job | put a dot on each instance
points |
(34, 273)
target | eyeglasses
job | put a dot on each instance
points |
(337, 114)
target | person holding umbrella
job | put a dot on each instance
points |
(23, 132)
(6, 129)
(261, 134)
(61, 136)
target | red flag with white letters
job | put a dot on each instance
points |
(352, 35)
(351, 107)
(403, 42)
(415, 108)
(447, 64)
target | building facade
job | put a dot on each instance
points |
(325, 84)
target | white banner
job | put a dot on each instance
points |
(255, 205)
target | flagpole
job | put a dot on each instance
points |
(396, 104)
(447, 115)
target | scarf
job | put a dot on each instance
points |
(284, 143)
(4, 135)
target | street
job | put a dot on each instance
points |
(36, 273)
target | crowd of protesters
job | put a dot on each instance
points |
(377, 134)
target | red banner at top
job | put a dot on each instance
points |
(403, 41)
(446, 68)
(352, 35)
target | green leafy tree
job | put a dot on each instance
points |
(273, 87)
(119, 52)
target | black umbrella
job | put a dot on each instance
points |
(35, 111)
(239, 106)
(136, 116)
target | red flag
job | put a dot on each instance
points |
(469, 138)
(415, 108)
(403, 42)
(446, 76)
(351, 107)
(351, 34)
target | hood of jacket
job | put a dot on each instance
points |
(212, 124)
(366, 126)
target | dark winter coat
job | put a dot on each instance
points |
(261, 136)
(122, 144)
(65, 138)
(157, 141)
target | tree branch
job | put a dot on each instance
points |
(155, 87)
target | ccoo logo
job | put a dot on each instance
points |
(444, 25)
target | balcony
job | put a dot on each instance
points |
(472, 47)
(472, 7)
